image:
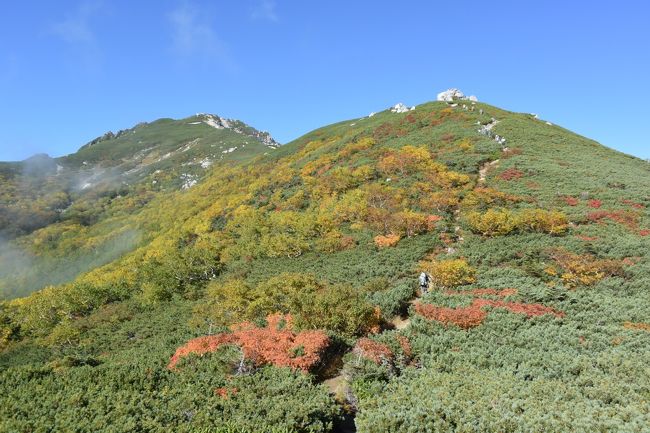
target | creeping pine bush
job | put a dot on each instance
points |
(471, 399)
(393, 301)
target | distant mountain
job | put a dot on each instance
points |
(86, 188)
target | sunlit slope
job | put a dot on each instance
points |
(536, 240)
(71, 214)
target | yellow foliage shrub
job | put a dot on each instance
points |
(449, 273)
(584, 270)
(494, 222)
(540, 220)
(499, 222)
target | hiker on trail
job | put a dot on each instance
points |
(424, 282)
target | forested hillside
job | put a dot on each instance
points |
(279, 291)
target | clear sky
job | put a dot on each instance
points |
(72, 69)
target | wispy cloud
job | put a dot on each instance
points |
(75, 28)
(76, 31)
(265, 10)
(193, 36)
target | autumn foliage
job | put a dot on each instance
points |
(584, 270)
(275, 344)
(463, 317)
(626, 218)
(511, 174)
(389, 240)
(474, 314)
(449, 273)
(502, 293)
(637, 326)
(372, 350)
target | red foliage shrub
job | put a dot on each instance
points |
(405, 344)
(463, 317)
(274, 344)
(529, 310)
(571, 201)
(644, 232)
(594, 203)
(627, 218)
(385, 130)
(372, 350)
(633, 204)
(484, 292)
(511, 173)
(410, 118)
(473, 315)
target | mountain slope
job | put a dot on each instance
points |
(60, 215)
(536, 241)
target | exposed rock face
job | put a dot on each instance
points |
(451, 95)
(237, 126)
(401, 108)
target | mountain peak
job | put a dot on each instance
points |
(236, 126)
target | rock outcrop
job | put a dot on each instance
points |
(451, 95)
(400, 108)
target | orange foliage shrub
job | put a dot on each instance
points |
(274, 344)
(511, 173)
(225, 393)
(387, 241)
(637, 326)
(372, 350)
(571, 201)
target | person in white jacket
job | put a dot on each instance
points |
(424, 282)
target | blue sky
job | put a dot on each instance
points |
(71, 70)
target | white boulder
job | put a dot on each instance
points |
(454, 94)
(401, 108)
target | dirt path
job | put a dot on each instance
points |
(483, 171)
(400, 323)
(337, 384)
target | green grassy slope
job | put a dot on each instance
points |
(538, 319)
